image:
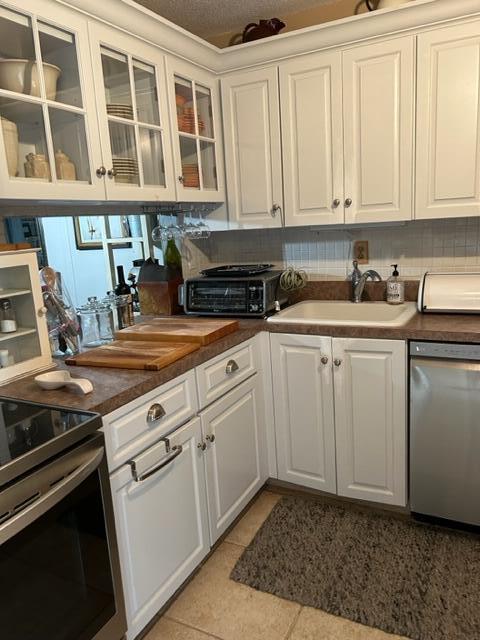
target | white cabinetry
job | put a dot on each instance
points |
(378, 111)
(448, 122)
(312, 139)
(304, 413)
(28, 347)
(197, 132)
(234, 432)
(132, 107)
(47, 108)
(346, 435)
(345, 158)
(251, 120)
(370, 419)
(161, 524)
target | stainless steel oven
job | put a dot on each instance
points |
(59, 567)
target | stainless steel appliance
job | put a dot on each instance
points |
(252, 295)
(59, 567)
(444, 408)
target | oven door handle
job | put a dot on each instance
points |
(48, 500)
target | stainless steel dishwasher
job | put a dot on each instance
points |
(445, 431)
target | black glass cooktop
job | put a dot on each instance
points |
(31, 433)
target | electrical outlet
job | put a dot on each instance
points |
(360, 251)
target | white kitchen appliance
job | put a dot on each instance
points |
(447, 292)
(444, 408)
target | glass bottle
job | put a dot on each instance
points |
(173, 259)
(8, 320)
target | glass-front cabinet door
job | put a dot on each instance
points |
(48, 132)
(198, 147)
(130, 87)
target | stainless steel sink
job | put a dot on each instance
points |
(344, 313)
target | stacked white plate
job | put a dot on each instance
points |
(126, 170)
(120, 110)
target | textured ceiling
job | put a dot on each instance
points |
(211, 17)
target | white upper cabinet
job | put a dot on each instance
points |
(251, 120)
(312, 137)
(378, 111)
(132, 107)
(304, 412)
(49, 134)
(448, 122)
(370, 419)
(197, 132)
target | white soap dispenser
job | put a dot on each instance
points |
(395, 288)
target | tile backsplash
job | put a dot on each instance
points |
(419, 246)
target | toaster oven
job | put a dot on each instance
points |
(251, 296)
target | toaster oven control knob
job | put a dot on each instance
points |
(254, 307)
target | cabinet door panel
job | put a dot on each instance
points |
(370, 418)
(311, 99)
(378, 107)
(236, 458)
(253, 148)
(448, 117)
(162, 527)
(304, 416)
(197, 132)
(131, 93)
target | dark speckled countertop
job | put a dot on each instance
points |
(115, 387)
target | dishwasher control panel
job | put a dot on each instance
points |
(444, 350)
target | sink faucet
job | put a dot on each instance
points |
(359, 279)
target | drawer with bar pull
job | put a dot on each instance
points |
(218, 375)
(137, 425)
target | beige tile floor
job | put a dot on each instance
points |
(214, 607)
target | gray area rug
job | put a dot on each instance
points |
(410, 579)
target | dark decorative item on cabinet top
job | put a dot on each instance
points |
(263, 29)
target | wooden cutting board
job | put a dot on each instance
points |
(125, 354)
(199, 330)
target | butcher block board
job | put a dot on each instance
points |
(126, 354)
(199, 330)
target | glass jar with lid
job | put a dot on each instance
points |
(96, 323)
(8, 320)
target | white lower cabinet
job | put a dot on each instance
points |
(371, 419)
(340, 415)
(161, 522)
(304, 413)
(234, 433)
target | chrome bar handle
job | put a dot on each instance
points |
(231, 367)
(156, 412)
(174, 453)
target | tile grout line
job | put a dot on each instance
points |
(190, 626)
(294, 623)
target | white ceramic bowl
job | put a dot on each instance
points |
(21, 76)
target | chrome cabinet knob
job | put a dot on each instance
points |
(202, 446)
(324, 360)
(111, 173)
(101, 171)
(180, 179)
(231, 367)
(348, 202)
(336, 203)
(337, 362)
(210, 438)
(155, 412)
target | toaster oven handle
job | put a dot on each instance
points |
(181, 295)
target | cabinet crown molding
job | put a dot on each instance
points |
(145, 24)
